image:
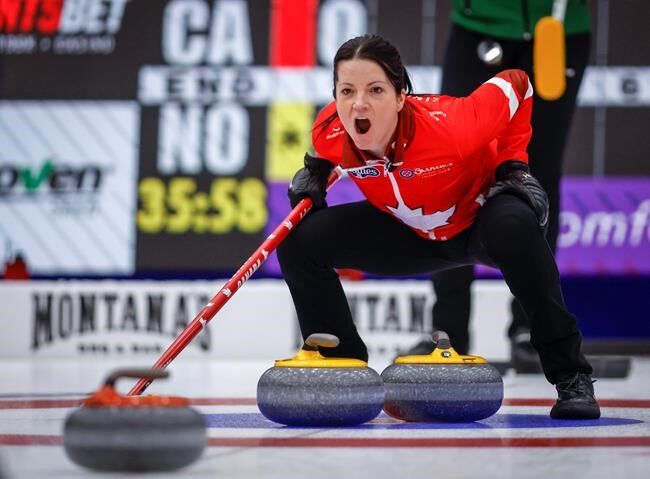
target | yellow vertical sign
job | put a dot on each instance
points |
(288, 138)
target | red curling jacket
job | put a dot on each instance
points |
(441, 163)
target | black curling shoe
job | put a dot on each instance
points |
(576, 399)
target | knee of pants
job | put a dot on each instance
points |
(289, 250)
(508, 226)
(298, 245)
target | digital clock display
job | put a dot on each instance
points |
(178, 206)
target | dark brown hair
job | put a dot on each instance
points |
(379, 50)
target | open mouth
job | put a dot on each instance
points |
(362, 125)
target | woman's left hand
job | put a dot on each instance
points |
(514, 177)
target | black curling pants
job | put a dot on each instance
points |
(462, 72)
(359, 236)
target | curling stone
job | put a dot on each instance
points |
(442, 386)
(110, 432)
(311, 390)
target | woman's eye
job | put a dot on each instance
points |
(377, 89)
(345, 91)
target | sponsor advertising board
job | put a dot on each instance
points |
(139, 320)
(67, 174)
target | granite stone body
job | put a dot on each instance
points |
(442, 392)
(137, 439)
(320, 396)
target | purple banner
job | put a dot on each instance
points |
(604, 224)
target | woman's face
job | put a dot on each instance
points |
(367, 104)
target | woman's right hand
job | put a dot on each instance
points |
(311, 181)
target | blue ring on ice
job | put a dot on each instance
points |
(498, 421)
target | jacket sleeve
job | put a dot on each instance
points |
(499, 109)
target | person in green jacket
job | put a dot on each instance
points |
(488, 36)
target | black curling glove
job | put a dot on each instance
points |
(513, 177)
(311, 181)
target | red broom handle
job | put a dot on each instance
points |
(232, 286)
